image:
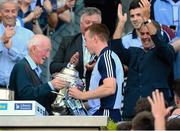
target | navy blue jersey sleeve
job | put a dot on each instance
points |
(107, 66)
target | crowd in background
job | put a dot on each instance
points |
(149, 55)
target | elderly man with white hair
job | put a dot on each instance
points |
(25, 77)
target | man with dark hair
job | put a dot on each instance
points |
(124, 125)
(132, 39)
(108, 9)
(173, 124)
(142, 104)
(143, 121)
(148, 67)
(107, 76)
(176, 90)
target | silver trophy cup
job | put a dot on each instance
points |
(64, 104)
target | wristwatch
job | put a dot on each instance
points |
(147, 22)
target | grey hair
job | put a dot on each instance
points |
(37, 40)
(2, 2)
(88, 11)
(32, 42)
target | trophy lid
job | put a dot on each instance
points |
(70, 71)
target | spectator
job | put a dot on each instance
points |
(176, 90)
(124, 125)
(25, 76)
(143, 121)
(48, 17)
(132, 39)
(30, 17)
(13, 40)
(143, 76)
(72, 48)
(107, 76)
(158, 109)
(173, 124)
(65, 10)
(167, 12)
(142, 104)
(108, 9)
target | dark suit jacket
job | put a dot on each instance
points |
(148, 70)
(67, 48)
(28, 86)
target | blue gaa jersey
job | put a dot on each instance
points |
(108, 65)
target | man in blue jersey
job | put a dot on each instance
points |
(107, 76)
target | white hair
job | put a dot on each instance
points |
(2, 2)
(37, 40)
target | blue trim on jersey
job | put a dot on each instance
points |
(106, 68)
(108, 64)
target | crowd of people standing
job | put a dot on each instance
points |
(148, 56)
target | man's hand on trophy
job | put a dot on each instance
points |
(75, 59)
(59, 83)
(75, 93)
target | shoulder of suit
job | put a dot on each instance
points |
(72, 36)
(20, 65)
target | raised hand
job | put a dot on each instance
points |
(8, 34)
(37, 12)
(158, 109)
(121, 17)
(158, 104)
(145, 9)
(120, 25)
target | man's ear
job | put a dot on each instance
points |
(33, 48)
(96, 39)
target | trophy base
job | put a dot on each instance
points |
(60, 111)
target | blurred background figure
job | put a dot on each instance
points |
(108, 9)
(167, 12)
(29, 17)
